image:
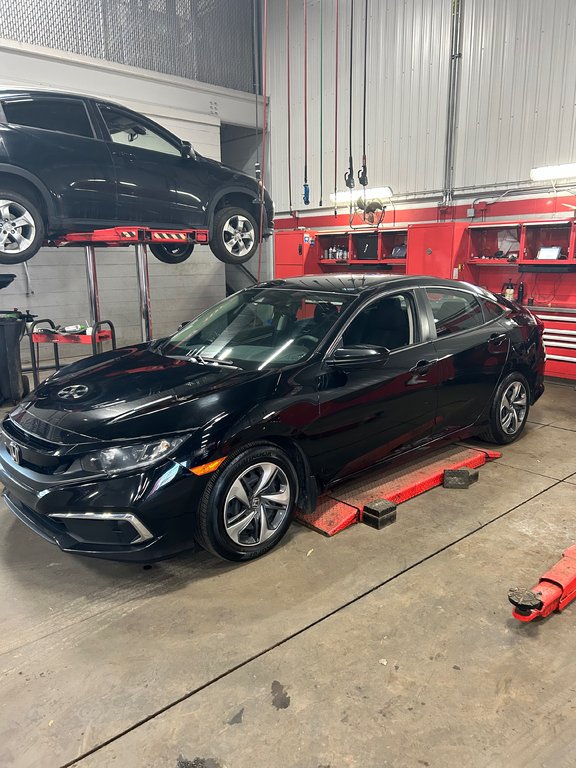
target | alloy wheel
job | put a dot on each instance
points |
(239, 235)
(17, 227)
(513, 407)
(257, 504)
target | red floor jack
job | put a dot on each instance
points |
(555, 590)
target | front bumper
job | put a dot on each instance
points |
(140, 517)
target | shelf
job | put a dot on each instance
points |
(369, 262)
(491, 263)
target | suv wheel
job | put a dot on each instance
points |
(172, 253)
(21, 228)
(248, 505)
(235, 235)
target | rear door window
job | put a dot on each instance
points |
(454, 311)
(50, 114)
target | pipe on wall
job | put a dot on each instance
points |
(453, 94)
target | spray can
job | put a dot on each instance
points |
(508, 290)
(520, 293)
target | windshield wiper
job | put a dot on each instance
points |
(210, 360)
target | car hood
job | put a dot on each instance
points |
(234, 173)
(136, 393)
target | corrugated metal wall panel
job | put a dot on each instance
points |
(408, 51)
(518, 91)
(205, 40)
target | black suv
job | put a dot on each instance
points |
(72, 164)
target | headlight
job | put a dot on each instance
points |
(128, 457)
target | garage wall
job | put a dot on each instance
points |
(194, 112)
(205, 41)
(518, 89)
(515, 111)
(407, 93)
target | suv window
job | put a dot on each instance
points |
(65, 115)
(388, 322)
(454, 311)
(126, 129)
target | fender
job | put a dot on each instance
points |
(229, 190)
(14, 170)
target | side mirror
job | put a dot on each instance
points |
(186, 149)
(359, 357)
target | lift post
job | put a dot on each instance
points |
(122, 236)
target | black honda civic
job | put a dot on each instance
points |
(214, 435)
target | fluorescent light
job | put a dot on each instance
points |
(553, 172)
(351, 195)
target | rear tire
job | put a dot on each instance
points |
(248, 505)
(171, 253)
(508, 411)
(22, 228)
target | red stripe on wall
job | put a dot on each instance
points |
(523, 208)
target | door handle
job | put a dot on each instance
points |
(498, 338)
(423, 366)
(127, 155)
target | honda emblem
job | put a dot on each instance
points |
(15, 452)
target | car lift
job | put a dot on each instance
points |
(140, 237)
(355, 501)
(554, 591)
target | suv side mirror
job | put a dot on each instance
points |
(186, 149)
(359, 357)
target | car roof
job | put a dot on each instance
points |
(357, 284)
(20, 91)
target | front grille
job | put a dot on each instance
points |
(37, 454)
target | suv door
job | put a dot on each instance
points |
(53, 137)
(369, 412)
(473, 349)
(148, 163)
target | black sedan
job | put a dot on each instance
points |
(214, 435)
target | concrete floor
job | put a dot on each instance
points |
(372, 649)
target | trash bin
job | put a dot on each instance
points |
(12, 329)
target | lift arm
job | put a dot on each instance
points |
(555, 590)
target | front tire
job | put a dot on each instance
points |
(508, 411)
(248, 504)
(22, 228)
(235, 236)
(171, 253)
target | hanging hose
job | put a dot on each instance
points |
(321, 97)
(255, 37)
(289, 98)
(349, 175)
(306, 193)
(264, 128)
(336, 48)
(363, 172)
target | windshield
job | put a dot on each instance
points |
(259, 328)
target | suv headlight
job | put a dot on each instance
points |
(118, 459)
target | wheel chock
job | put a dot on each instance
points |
(555, 590)
(460, 478)
(379, 513)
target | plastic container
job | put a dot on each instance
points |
(12, 329)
